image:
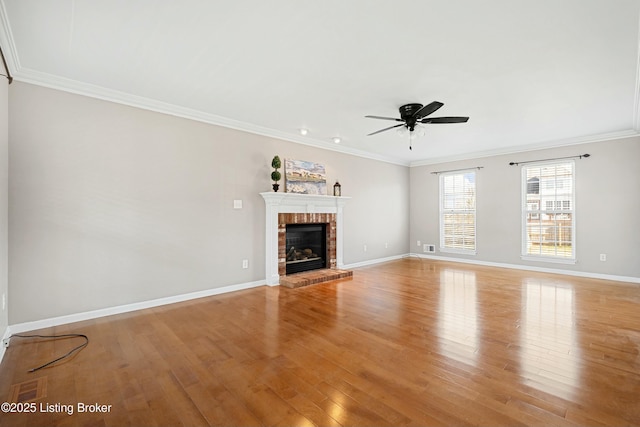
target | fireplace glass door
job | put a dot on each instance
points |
(306, 247)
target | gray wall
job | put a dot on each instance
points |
(607, 206)
(4, 208)
(111, 205)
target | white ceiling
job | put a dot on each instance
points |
(528, 73)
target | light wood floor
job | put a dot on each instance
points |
(410, 342)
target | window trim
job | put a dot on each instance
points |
(523, 214)
(442, 247)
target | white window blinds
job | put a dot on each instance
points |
(458, 212)
(548, 211)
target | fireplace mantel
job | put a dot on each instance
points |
(277, 203)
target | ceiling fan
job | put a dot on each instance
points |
(414, 114)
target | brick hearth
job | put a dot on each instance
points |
(313, 277)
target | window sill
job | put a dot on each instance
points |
(548, 259)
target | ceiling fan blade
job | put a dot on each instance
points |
(427, 109)
(384, 118)
(445, 120)
(382, 130)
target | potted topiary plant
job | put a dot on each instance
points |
(275, 175)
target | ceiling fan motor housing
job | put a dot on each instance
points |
(409, 110)
(406, 113)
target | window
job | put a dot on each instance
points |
(548, 217)
(458, 212)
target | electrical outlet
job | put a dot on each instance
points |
(245, 263)
(603, 257)
(364, 248)
(386, 246)
(419, 243)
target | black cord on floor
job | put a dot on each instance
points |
(78, 348)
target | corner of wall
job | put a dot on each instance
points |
(4, 206)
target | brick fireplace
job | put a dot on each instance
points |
(292, 208)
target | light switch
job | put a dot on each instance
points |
(237, 204)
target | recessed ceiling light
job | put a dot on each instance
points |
(304, 131)
(337, 139)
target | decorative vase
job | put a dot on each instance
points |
(275, 187)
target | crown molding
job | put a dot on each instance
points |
(38, 78)
(636, 99)
(529, 147)
(7, 43)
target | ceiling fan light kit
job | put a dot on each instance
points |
(414, 114)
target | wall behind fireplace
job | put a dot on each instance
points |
(111, 205)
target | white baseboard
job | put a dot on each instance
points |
(77, 317)
(615, 278)
(6, 335)
(373, 261)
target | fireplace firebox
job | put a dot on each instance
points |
(306, 247)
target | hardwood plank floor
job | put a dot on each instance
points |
(407, 343)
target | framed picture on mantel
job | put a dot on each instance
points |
(304, 177)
